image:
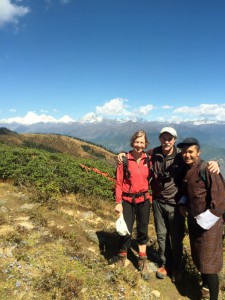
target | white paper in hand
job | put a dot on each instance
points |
(206, 219)
(121, 226)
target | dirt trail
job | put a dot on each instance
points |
(13, 205)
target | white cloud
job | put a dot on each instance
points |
(166, 107)
(65, 1)
(210, 111)
(9, 12)
(48, 4)
(114, 107)
(12, 110)
(118, 107)
(144, 110)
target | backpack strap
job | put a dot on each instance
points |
(126, 171)
(153, 154)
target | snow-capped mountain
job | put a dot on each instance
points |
(115, 134)
(65, 119)
(91, 118)
(32, 118)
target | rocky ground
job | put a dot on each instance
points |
(60, 250)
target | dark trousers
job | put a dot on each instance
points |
(141, 213)
(169, 226)
(211, 281)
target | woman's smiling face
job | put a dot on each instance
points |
(139, 144)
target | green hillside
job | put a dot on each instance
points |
(52, 175)
(55, 165)
(58, 144)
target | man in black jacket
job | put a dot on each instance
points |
(168, 166)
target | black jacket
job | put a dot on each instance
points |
(168, 173)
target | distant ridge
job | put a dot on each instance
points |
(115, 135)
(4, 130)
(57, 143)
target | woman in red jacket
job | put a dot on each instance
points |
(133, 199)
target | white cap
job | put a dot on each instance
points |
(170, 130)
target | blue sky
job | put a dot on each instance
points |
(155, 59)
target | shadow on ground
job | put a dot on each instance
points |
(188, 288)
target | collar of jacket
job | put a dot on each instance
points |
(171, 156)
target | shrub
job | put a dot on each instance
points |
(53, 174)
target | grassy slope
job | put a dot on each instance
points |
(59, 249)
(60, 143)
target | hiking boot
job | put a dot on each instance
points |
(205, 293)
(143, 267)
(161, 273)
(119, 260)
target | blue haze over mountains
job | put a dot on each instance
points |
(115, 135)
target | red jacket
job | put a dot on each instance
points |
(136, 183)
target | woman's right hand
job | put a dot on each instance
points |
(119, 208)
(120, 157)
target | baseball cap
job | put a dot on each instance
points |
(170, 130)
(190, 141)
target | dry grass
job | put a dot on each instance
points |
(60, 143)
(65, 256)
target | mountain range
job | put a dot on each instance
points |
(114, 135)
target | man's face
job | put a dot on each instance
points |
(167, 141)
(190, 154)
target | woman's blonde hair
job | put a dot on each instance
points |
(136, 135)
